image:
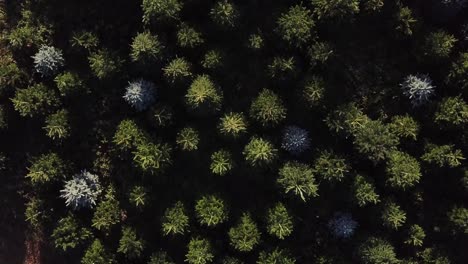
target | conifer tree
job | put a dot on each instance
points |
(245, 235)
(211, 211)
(377, 251)
(221, 162)
(69, 234)
(364, 191)
(279, 221)
(403, 170)
(175, 220)
(129, 244)
(96, 253)
(393, 216)
(199, 251)
(57, 125)
(107, 212)
(268, 108)
(259, 152)
(298, 179)
(331, 167)
(47, 168)
(34, 100)
(295, 25)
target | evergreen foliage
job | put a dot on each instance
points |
(393, 216)
(224, 13)
(129, 244)
(244, 236)
(203, 95)
(188, 139)
(68, 83)
(82, 190)
(342, 225)
(107, 212)
(335, 8)
(276, 256)
(295, 25)
(145, 47)
(175, 220)
(140, 94)
(68, 234)
(152, 157)
(177, 70)
(199, 251)
(57, 125)
(418, 88)
(416, 236)
(298, 178)
(233, 124)
(444, 155)
(48, 60)
(97, 254)
(377, 251)
(295, 140)
(279, 221)
(364, 191)
(403, 170)
(267, 109)
(161, 9)
(259, 152)
(211, 211)
(330, 167)
(46, 168)
(34, 100)
(221, 162)
(453, 111)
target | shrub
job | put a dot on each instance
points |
(377, 251)
(188, 139)
(364, 191)
(452, 110)
(138, 196)
(35, 214)
(295, 140)
(160, 257)
(82, 190)
(444, 155)
(268, 108)
(295, 25)
(97, 254)
(213, 59)
(259, 152)
(416, 236)
(107, 212)
(175, 220)
(404, 127)
(46, 168)
(342, 225)
(129, 244)
(314, 89)
(188, 37)
(146, 47)
(68, 83)
(439, 44)
(233, 124)
(458, 219)
(177, 70)
(276, 256)
(459, 71)
(152, 157)
(393, 216)
(299, 179)
(279, 221)
(331, 167)
(418, 88)
(221, 162)
(161, 115)
(375, 140)
(203, 95)
(405, 21)
(255, 42)
(245, 235)
(335, 8)
(104, 63)
(160, 9)
(68, 234)
(48, 60)
(224, 13)
(282, 67)
(199, 251)
(211, 211)
(140, 94)
(34, 100)
(57, 125)
(85, 40)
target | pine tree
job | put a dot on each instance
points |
(188, 37)
(199, 251)
(335, 8)
(203, 96)
(34, 100)
(268, 108)
(48, 60)
(177, 70)
(152, 157)
(69, 83)
(82, 190)
(277, 255)
(175, 220)
(224, 13)
(452, 111)
(403, 170)
(279, 221)
(221, 162)
(107, 212)
(295, 25)
(146, 48)
(458, 219)
(69, 234)
(47, 168)
(393, 216)
(404, 127)
(416, 236)
(259, 152)
(211, 211)
(97, 254)
(364, 191)
(232, 124)
(375, 140)
(331, 167)
(444, 155)
(138, 196)
(245, 235)
(188, 139)
(161, 10)
(129, 244)
(298, 178)
(57, 125)
(377, 251)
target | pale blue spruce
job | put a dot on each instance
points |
(140, 94)
(295, 140)
(342, 225)
(418, 88)
(48, 60)
(82, 191)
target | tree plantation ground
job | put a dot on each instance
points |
(234, 131)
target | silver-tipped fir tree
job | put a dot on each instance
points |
(48, 60)
(82, 190)
(342, 225)
(295, 140)
(418, 88)
(140, 94)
